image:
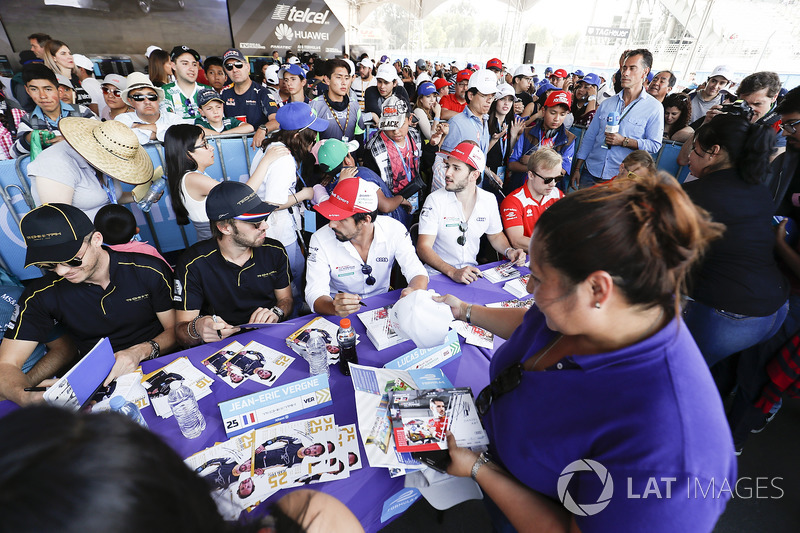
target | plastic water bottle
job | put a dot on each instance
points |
(187, 413)
(317, 354)
(156, 188)
(347, 345)
(129, 409)
(612, 125)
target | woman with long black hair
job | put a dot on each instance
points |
(738, 297)
(505, 127)
(677, 112)
(188, 155)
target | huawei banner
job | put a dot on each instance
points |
(261, 27)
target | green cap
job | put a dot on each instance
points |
(331, 152)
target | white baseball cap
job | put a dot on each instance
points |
(83, 62)
(524, 70)
(504, 90)
(423, 76)
(294, 60)
(386, 72)
(367, 62)
(723, 70)
(351, 66)
(484, 80)
(151, 49)
(271, 74)
(422, 320)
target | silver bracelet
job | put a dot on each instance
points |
(507, 249)
(482, 459)
(468, 314)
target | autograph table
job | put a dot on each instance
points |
(366, 490)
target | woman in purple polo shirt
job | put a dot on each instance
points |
(602, 414)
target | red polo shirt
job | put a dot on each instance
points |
(520, 209)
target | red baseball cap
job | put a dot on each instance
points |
(469, 154)
(560, 73)
(441, 82)
(494, 63)
(350, 196)
(463, 75)
(558, 98)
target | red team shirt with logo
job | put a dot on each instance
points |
(520, 209)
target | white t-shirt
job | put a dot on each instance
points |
(163, 123)
(62, 164)
(441, 216)
(336, 266)
(278, 186)
(359, 86)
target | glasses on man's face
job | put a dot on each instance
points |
(142, 97)
(506, 381)
(232, 65)
(547, 181)
(256, 225)
(790, 127)
(203, 145)
(110, 90)
(367, 271)
(462, 227)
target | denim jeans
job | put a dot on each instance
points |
(719, 333)
(587, 180)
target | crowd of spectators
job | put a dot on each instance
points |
(437, 167)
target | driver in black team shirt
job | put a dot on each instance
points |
(92, 292)
(238, 276)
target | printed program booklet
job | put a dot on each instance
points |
(79, 384)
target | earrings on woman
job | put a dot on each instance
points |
(597, 305)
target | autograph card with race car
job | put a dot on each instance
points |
(297, 340)
(181, 369)
(129, 386)
(503, 272)
(278, 403)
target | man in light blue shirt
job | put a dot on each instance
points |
(641, 125)
(472, 124)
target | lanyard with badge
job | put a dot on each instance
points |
(336, 118)
(107, 186)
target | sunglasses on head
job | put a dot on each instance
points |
(367, 271)
(142, 97)
(235, 64)
(109, 90)
(462, 227)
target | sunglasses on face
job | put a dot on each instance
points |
(109, 90)
(236, 64)
(256, 225)
(506, 381)
(547, 181)
(367, 271)
(790, 127)
(142, 97)
(72, 263)
(462, 227)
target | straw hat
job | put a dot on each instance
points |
(138, 80)
(110, 146)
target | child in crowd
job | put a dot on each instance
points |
(213, 119)
(120, 233)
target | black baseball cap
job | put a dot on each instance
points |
(54, 233)
(233, 199)
(183, 49)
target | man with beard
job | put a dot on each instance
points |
(238, 276)
(351, 257)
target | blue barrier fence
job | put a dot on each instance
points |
(159, 227)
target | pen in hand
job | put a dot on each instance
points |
(35, 389)
(361, 303)
(214, 318)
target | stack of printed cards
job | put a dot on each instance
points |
(473, 334)
(503, 272)
(516, 302)
(297, 340)
(518, 287)
(157, 384)
(379, 328)
(246, 470)
(234, 364)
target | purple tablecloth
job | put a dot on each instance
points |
(365, 491)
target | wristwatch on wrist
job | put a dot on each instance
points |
(155, 351)
(278, 312)
(482, 459)
(625, 142)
